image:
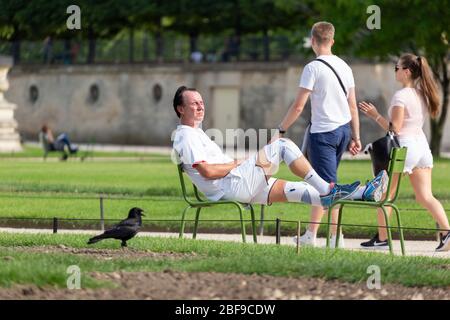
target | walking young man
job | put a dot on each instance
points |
(328, 80)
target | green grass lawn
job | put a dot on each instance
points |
(40, 189)
(19, 267)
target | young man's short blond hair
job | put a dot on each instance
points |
(322, 32)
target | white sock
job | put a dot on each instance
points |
(317, 182)
(358, 195)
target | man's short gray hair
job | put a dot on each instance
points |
(322, 32)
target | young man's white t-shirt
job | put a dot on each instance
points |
(193, 146)
(329, 105)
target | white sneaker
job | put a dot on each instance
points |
(307, 239)
(341, 241)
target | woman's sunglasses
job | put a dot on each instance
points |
(397, 67)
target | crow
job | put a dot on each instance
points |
(125, 230)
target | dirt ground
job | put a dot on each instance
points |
(175, 285)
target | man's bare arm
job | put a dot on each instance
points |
(354, 114)
(355, 144)
(215, 171)
(296, 108)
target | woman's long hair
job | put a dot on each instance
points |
(421, 71)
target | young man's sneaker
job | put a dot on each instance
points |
(338, 192)
(73, 149)
(307, 239)
(375, 243)
(333, 241)
(444, 244)
(376, 187)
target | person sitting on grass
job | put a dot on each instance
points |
(46, 137)
(219, 177)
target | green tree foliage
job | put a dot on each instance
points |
(418, 26)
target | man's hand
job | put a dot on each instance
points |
(275, 137)
(354, 147)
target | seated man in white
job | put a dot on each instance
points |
(219, 177)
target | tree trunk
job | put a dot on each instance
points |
(436, 137)
(159, 47)
(437, 125)
(145, 46)
(159, 44)
(266, 45)
(91, 45)
(15, 46)
(238, 32)
(67, 58)
(193, 36)
(131, 46)
(16, 51)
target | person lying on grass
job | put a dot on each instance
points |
(220, 177)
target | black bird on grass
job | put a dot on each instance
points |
(125, 230)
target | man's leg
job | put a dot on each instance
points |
(290, 191)
(283, 191)
(285, 150)
(64, 139)
(322, 154)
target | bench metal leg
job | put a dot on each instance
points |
(261, 223)
(252, 213)
(328, 227)
(242, 223)
(197, 216)
(388, 229)
(182, 221)
(339, 227)
(400, 229)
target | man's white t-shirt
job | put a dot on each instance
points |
(193, 146)
(329, 105)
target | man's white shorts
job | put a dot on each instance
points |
(247, 183)
(418, 154)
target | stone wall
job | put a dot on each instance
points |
(132, 104)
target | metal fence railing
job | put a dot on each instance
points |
(143, 49)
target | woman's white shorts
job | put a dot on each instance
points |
(418, 154)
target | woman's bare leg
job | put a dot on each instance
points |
(382, 231)
(421, 183)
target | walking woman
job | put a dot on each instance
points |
(408, 110)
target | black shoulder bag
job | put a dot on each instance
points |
(380, 150)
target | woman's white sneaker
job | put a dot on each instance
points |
(307, 239)
(333, 241)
